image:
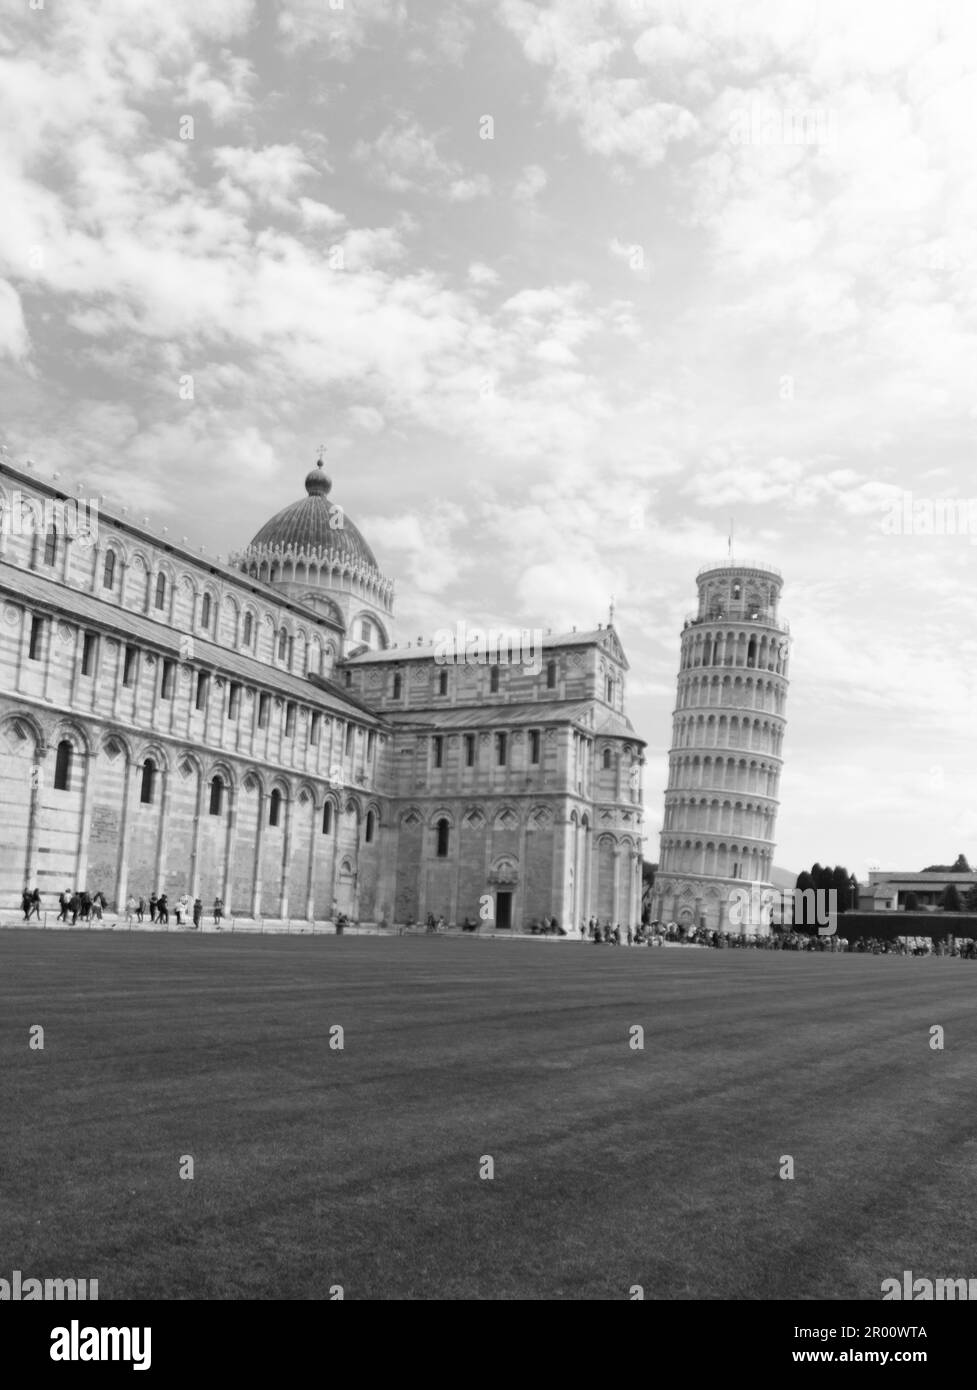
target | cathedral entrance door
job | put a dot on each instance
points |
(503, 911)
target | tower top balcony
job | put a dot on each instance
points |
(748, 566)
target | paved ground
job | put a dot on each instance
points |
(613, 1166)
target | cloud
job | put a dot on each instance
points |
(404, 159)
(531, 183)
(14, 340)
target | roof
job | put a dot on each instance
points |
(886, 876)
(432, 651)
(200, 560)
(538, 712)
(59, 598)
(310, 525)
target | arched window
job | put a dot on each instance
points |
(494, 681)
(274, 807)
(148, 782)
(371, 821)
(443, 832)
(248, 628)
(443, 683)
(161, 591)
(205, 611)
(366, 630)
(607, 757)
(282, 644)
(327, 818)
(398, 685)
(108, 573)
(62, 766)
(216, 796)
(51, 545)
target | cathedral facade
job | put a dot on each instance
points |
(252, 731)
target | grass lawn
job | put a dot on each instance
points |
(613, 1167)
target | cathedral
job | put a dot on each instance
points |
(253, 730)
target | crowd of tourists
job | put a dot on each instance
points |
(76, 906)
(965, 948)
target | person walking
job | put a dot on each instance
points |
(64, 902)
(162, 909)
(198, 912)
(153, 906)
(74, 907)
(130, 909)
(25, 903)
(218, 912)
(86, 905)
(141, 909)
(98, 902)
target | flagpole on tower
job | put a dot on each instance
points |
(730, 540)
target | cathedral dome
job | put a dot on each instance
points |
(314, 525)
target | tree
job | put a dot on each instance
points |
(804, 883)
(970, 899)
(950, 901)
(910, 903)
(959, 867)
(839, 884)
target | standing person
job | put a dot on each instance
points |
(630, 936)
(178, 908)
(64, 902)
(98, 902)
(153, 906)
(184, 909)
(35, 906)
(86, 905)
(74, 907)
(198, 912)
(25, 903)
(218, 912)
(141, 909)
(130, 909)
(162, 909)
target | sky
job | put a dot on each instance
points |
(565, 289)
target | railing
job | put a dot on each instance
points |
(728, 564)
(764, 618)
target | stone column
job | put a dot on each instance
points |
(36, 774)
(164, 801)
(616, 872)
(290, 805)
(258, 842)
(195, 849)
(226, 869)
(337, 822)
(81, 866)
(316, 834)
(122, 873)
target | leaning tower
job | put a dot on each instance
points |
(726, 754)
